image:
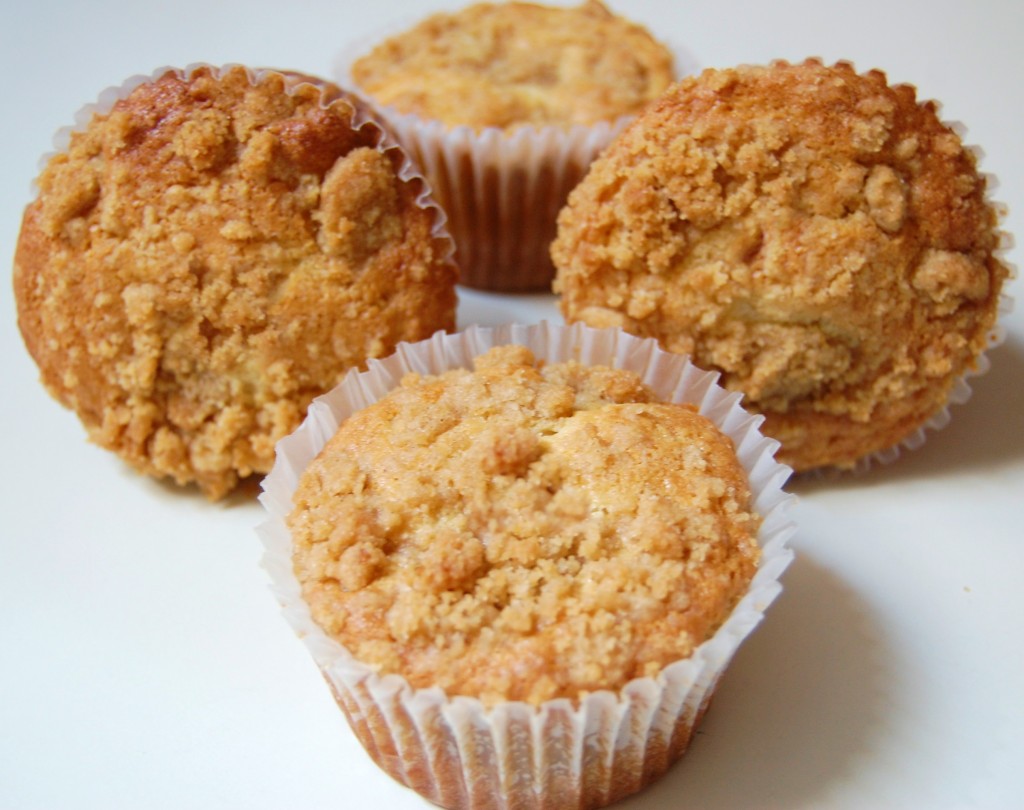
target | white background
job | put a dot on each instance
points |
(143, 663)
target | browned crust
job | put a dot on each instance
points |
(815, 234)
(211, 254)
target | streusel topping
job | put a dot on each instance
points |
(509, 64)
(524, 531)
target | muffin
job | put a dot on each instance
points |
(213, 251)
(522, 558)
(505, 105)
(818, 236)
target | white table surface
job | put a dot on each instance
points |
(144, 664)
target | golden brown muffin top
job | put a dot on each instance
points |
(818, 236)
(523, 531)
(513, 64)
(212, 253)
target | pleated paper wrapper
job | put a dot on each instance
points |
(561, 754)
(502, 191)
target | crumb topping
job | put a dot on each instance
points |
(523, 531)
(815, 234)
(509, 64)
(210, 255)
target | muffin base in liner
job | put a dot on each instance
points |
(502, 191)
(587, 753)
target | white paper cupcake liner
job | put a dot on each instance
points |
(503, 191)
(453, 750)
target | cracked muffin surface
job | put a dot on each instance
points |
(509, 64)
(523, 531)
(818, 236)
(209, 255)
